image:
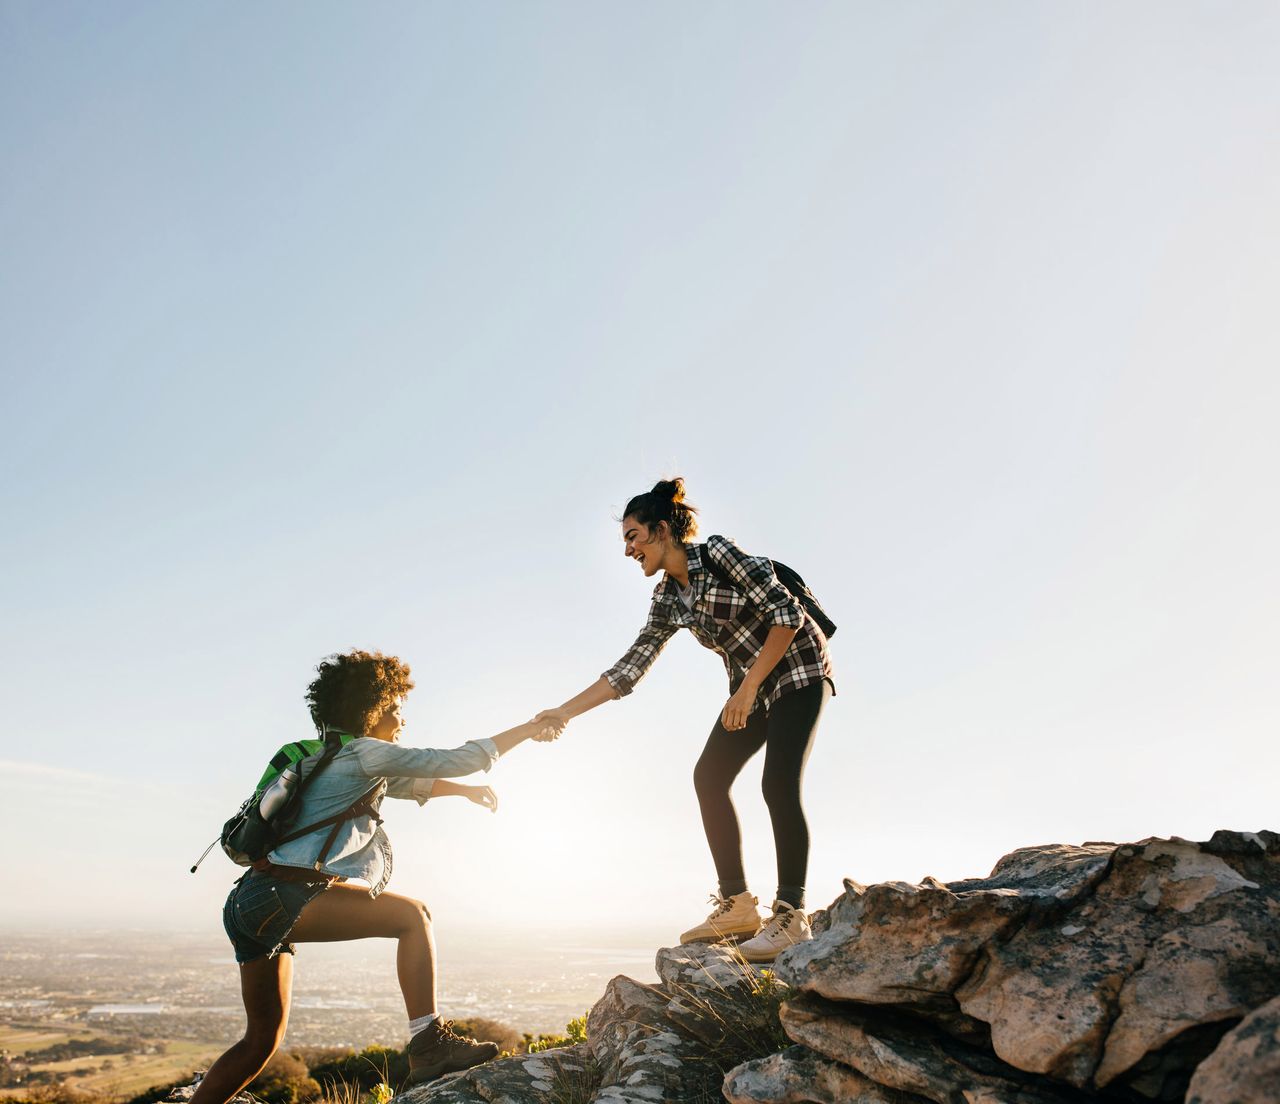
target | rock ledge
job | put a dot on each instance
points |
(1135, 972)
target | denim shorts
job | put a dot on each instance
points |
(261, 911)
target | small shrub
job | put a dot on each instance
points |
(285, 1080)
(570, 1085)
(489, 1031)
(575, 1031)
(338, 1090)
(365, 1070)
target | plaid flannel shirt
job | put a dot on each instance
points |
(732, 621)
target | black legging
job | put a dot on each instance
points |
(786, 731)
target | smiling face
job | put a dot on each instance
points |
(389, 724)
(648, 547)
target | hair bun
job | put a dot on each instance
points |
(671, 490)
(665, 503)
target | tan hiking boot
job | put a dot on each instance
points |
(785, 928)
(436, 1050)
(732, 918)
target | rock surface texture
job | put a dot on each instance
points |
(645, 1043)
(1245, 1069)
(1135, 972)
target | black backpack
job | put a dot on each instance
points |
(249, 837)
(789, 578)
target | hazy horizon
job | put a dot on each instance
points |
(328, 328)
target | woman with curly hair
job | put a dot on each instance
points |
(300, 893)
(779, 671)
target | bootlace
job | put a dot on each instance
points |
(446, 1030)
(722, 906)
(778, 922)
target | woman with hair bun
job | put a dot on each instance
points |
(779, 671)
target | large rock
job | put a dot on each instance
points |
(544, 1078)
(799, 1076)
(646, 1044)
(1245, 1069)
(709, 968)
(910, 946)
(912, 1057)
(1135, 983)
(1070, 974)
(180, 1094)
(644, 1058)
(1095, 966)
(720, 1000)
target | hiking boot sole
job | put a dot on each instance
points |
(722, 937)
(766, 956)
(423, 1075)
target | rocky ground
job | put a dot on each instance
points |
(1135, 972)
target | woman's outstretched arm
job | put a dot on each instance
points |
(597, 693)
(620, 679)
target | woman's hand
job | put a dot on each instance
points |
(481, 795)
(738, 708)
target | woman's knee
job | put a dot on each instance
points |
(781, 792)
(261, 1042)
(709, 780)
(415, 915)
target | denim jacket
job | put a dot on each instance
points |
(361, 848)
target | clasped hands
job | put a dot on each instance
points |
(551, 724)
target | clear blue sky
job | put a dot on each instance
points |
(332, 325)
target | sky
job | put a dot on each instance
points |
(328, 326)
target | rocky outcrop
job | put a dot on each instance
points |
(646, 1044)
(544, 1078)
(1105, 969)
(644, 1054)
(902, 1054)
(799, 1076)
(1135, 972)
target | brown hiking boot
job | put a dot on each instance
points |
(436, 1050)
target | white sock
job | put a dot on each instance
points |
(421, 1023)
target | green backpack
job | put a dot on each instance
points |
(260, 826)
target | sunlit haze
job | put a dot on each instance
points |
(329, 327)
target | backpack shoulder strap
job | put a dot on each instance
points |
(713, 568)
(790, 578)
(366, 803)
(288, 755)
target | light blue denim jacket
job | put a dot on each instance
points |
(361, 848)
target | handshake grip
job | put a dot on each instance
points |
(550, 726)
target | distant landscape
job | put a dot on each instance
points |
(110, 1015)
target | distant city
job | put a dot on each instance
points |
(178, 994)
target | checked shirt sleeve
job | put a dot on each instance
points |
(754, 576)
(631, 668)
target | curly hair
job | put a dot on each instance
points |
(353, 690)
